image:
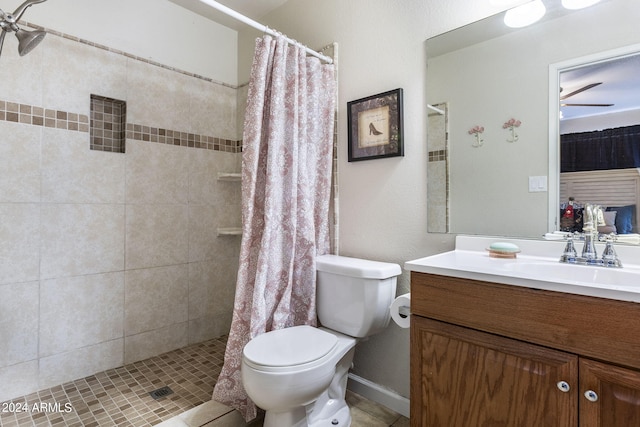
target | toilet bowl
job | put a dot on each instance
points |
(298, 375)
(297, 366)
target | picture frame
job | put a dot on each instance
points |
(375, 126)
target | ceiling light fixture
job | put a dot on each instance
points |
(578, 4)
(524, 15)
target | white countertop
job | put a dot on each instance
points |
(536, 266)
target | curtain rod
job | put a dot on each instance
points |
(238, 16)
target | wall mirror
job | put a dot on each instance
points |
(489, 76)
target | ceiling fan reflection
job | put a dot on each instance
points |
(577, 91)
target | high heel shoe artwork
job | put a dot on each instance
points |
(373, 130)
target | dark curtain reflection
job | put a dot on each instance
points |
(617, 148)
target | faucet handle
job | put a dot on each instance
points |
(569, 254)
(609, 255)
(570, 249)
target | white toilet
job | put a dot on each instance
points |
(298, 375)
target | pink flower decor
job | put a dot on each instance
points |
(512, 124)
(476, 131)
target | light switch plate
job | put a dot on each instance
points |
(537, 184)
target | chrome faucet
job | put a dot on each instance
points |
(589, 249)
(593, 217)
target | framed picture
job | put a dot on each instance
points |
(375, 126)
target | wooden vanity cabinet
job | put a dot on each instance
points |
(469, 378)
(487, 354)
(617, 390)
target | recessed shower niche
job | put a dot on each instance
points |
(108, 124)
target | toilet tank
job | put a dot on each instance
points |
(353, 295)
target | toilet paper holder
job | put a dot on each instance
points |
(401, 311)
(404, 311)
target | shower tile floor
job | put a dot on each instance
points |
(120, 397)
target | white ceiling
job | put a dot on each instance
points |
(254, 9)
(620, 86)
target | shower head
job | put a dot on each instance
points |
(27, 40)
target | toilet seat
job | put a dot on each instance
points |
(290, 349)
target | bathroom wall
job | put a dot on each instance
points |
(79, 228)
(382, 203)
(156, 30)
(109, 258)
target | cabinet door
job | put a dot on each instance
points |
(466, 378)
(610, 395)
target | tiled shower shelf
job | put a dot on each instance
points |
(229, 176)
(229, 231)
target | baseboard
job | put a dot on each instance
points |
(379, 394)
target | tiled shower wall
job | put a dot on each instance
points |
(109, 258)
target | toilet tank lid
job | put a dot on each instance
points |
(355, 267)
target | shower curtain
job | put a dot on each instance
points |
(286, 184)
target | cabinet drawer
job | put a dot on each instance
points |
(599, 328)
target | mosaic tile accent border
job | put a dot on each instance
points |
(438, 155)
(183, 139)
(39, 116)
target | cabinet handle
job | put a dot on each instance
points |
(591, 395)
(563, 386)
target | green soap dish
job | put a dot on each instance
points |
(503, 250)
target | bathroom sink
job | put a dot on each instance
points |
(556, 271)
(537, 266)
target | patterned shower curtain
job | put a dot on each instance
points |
(286, 184)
